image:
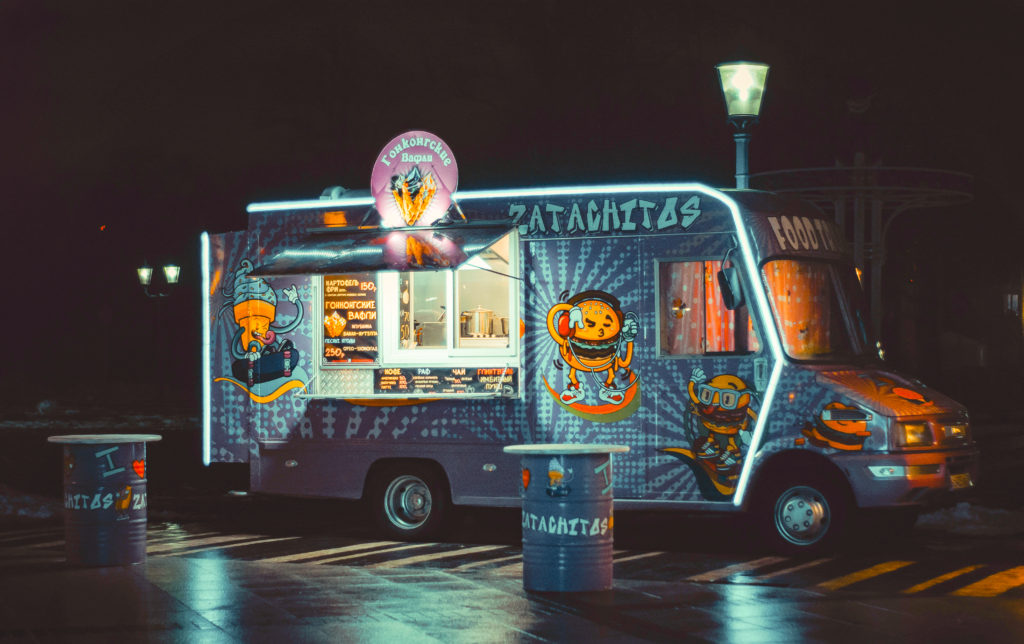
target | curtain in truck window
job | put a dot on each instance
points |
(693, 318)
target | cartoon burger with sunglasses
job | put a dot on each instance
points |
(722, 407)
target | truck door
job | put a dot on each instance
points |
(583, 340)
(707, 373)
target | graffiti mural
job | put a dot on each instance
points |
(718, 428)
(264, 363)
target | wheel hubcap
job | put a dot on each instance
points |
(407, 502)
(802, 515)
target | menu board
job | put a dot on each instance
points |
(350, 318)
(433, 380)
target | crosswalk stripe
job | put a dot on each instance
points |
(715, 575)
(993, 585)
(642, 555)
(406, 561)
(925, 585)
(861, 575)
(224, 546)
(375, 552)
(476, 564)
(786, 571)
(313, 554)
(181, 545)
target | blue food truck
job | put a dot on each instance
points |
(363, 345)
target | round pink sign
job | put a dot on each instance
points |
(413, 179)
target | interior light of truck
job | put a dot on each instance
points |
(913, 435)
(887, 471)
(956, 432)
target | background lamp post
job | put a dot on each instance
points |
(171, 274)
(743, 86)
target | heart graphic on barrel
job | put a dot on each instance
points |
(140, 468)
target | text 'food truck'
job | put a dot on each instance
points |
(387, 345)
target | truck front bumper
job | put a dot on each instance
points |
(907, 479)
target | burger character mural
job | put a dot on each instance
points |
(595, 336)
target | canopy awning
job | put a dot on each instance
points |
(380, 249)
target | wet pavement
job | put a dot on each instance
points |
(200, 585)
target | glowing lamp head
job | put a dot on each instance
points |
(743, 85)
(145, 275)
(171, 273)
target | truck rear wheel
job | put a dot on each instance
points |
(409, 500)
(803, 513)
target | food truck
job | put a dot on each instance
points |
(387, 344)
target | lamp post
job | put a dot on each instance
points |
(743, 86)
(171, 273)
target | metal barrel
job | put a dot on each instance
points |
(105, 500)
(567, 522)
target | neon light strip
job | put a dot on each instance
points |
(774, 343)
(204, 263)
(512, 193)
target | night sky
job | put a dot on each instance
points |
(129, 127)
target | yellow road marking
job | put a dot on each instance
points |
(714, 575)
(449, 554)
(239, 544)
(477, 564)
(994, 584)
(861, 575)
(313, 554)
(786, 571)
(642, 555)
(925, 585)
(379, 551)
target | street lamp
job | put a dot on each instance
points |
(743, 86)
(171, 274)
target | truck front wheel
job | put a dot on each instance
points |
(409, 501)
(805, 514)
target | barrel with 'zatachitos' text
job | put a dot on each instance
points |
(105, 498)
(567, 517)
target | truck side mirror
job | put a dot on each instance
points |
(729, 285)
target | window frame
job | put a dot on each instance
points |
(659, 314)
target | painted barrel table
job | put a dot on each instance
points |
(566, 490)
(105, 498)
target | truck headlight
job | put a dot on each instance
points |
(913, 435)
(956, 433)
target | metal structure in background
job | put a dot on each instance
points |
(743, 85)
(865, 199)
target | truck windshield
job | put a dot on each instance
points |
(809, 299)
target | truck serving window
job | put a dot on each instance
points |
(808, 298)
(692, 318)
(481, 294)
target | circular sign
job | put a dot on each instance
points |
(413, 179)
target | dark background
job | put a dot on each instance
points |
(126, 128)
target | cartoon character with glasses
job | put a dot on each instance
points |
(722, 406)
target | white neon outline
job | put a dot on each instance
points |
(204, 262)
(764, 310)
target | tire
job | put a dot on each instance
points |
(803, 513)
(409, 500)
